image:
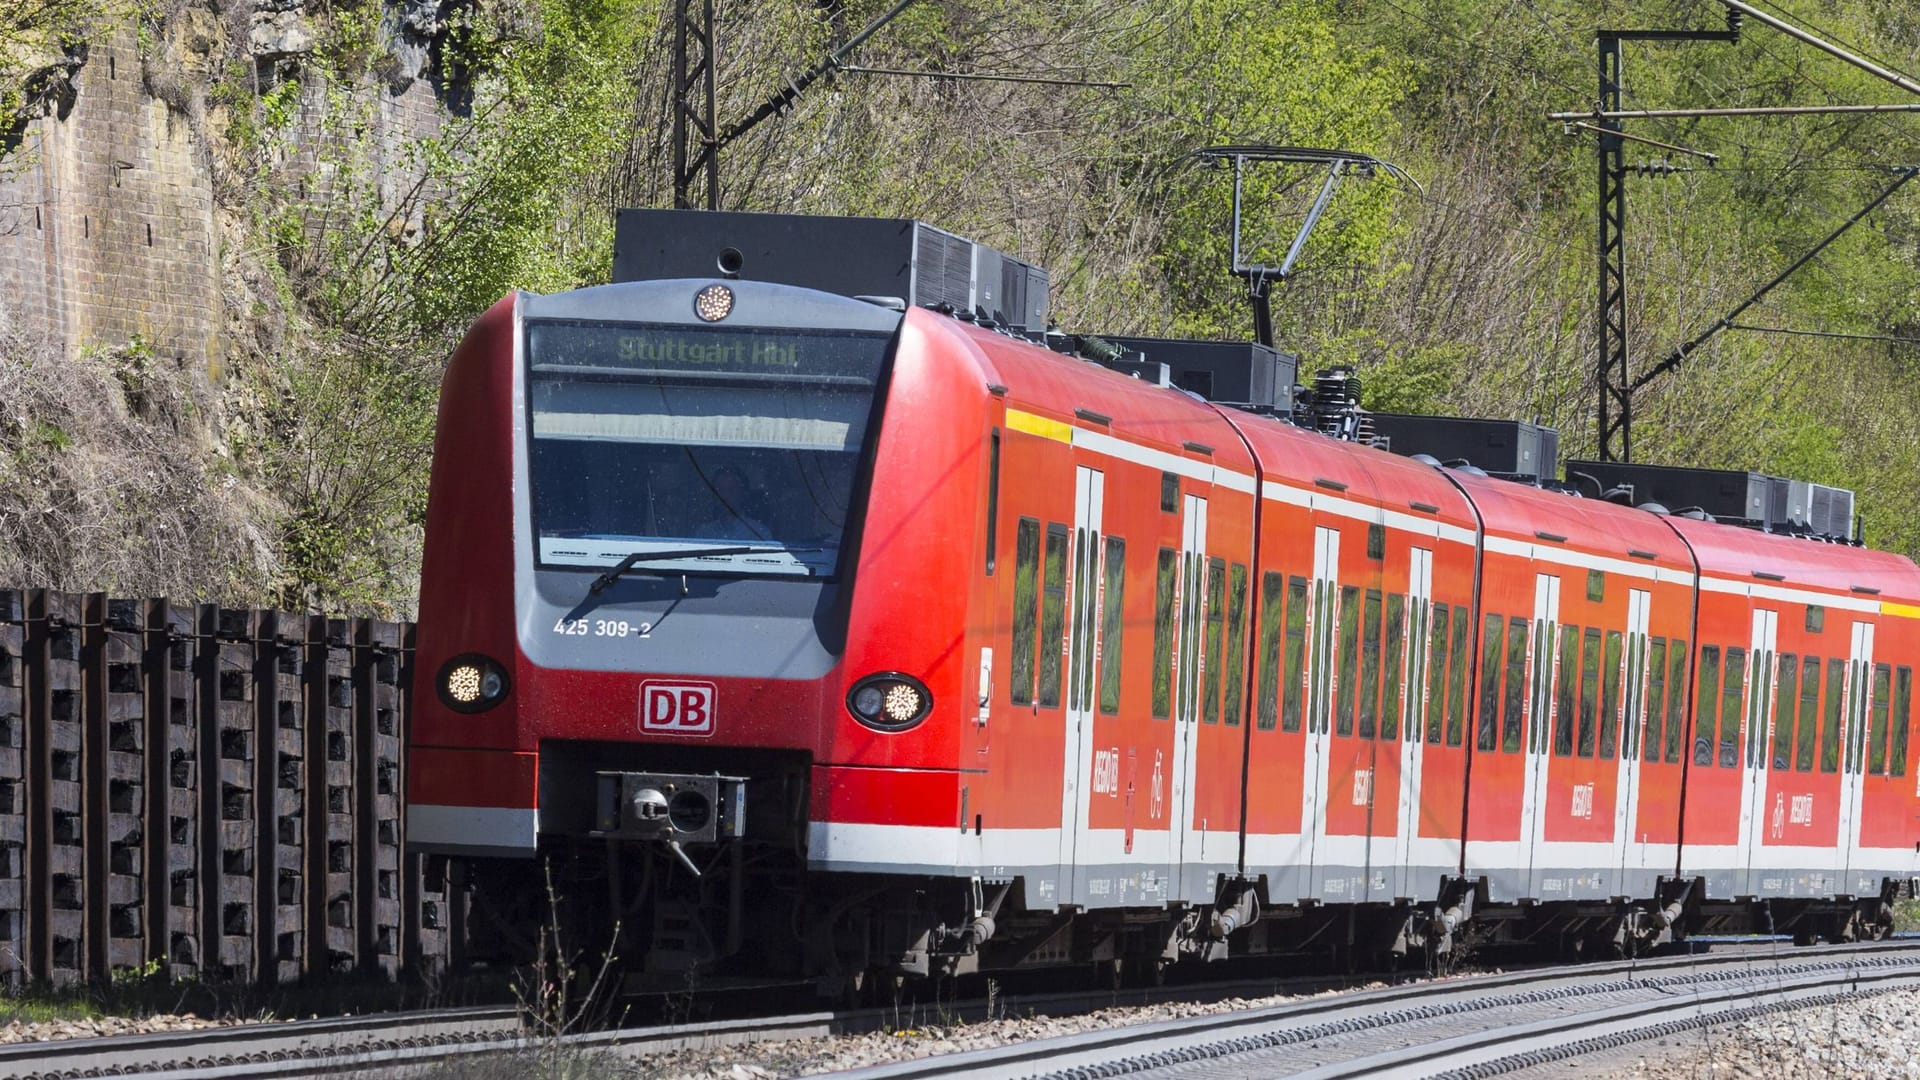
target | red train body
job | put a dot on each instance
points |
(1150, 677)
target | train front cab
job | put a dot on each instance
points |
(659, 607)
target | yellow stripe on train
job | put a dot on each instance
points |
(1908, 611)
(1034, 424)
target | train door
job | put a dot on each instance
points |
(1412, 675)
(1853, 737)
(1759, 739)
(1083, 650)
(1322, 635)
(1541, 671)
(1189, 657)
(1626, 787)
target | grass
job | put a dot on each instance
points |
(146, 991)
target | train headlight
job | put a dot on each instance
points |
(472, 683)
(889, 701)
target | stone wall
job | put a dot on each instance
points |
(108, 230)
(112, 221)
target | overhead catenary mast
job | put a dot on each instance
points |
(1614, 375)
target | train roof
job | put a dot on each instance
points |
(1079, 390)
(1308, 462)
(1734, 553)
(1602, 529)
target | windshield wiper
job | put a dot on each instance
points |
(635, 558)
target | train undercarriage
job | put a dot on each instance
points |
(753, 915)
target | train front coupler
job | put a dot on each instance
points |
(670, 809)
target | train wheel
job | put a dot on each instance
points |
(1110, 974)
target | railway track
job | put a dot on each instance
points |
(1475, 1027)
(374, 1043)
(1479, 1025)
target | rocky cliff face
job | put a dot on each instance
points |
(121, 199)
(147, 326)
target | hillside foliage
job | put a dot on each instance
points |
(1471, 290)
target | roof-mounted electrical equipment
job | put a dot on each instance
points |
(1730, 496)
(1509, 449)
(1239, 373)
(868, 257)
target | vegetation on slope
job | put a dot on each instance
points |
(1472, 293)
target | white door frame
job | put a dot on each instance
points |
(1633, 718)
(1189, 639)
(1083, 626)
(1859, 691)
(1323, 625)
(1543, 668)
(1757, 721)
(1413, 675)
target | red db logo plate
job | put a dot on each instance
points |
(676, 708)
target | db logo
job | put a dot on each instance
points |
(676, 708)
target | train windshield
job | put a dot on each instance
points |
(672, 439)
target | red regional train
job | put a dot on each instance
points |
(777, 631)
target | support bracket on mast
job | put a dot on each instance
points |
(1260, 278)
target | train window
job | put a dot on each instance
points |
(1704, 711)
(1349, 657)
(1216, 615)
(1457, 675)
(1087, 600)
(1877, 726)
(1053, 613)
(1236, 642)
(1370, 667)
(1391, 696)
(1830, 723)
(1192, 614)
(1489, 736)
(1376, 542)
(1807, 736)
(1589, 690)
(1610, 696)
(993, 498)
(1569, 678)
(1026, 581)
(1902, 718)
(1111, 625)
(1292, 701)
(1320, 657)
(1169, 492)
(1437, 674)
(1676, 698)
(1656, 698)
(1163, 632)
(1510, 734)
(1733, 696)
(1596, 585)
(1078, 631)
(1785, 695)
(1855, 736)
(1272, 592)
(1816, 619)
(1629, 731)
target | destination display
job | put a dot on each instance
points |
(694, 350)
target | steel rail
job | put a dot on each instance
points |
(1216, 1039)
(363, 1043)
(411, 1040)
(200, 1049)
